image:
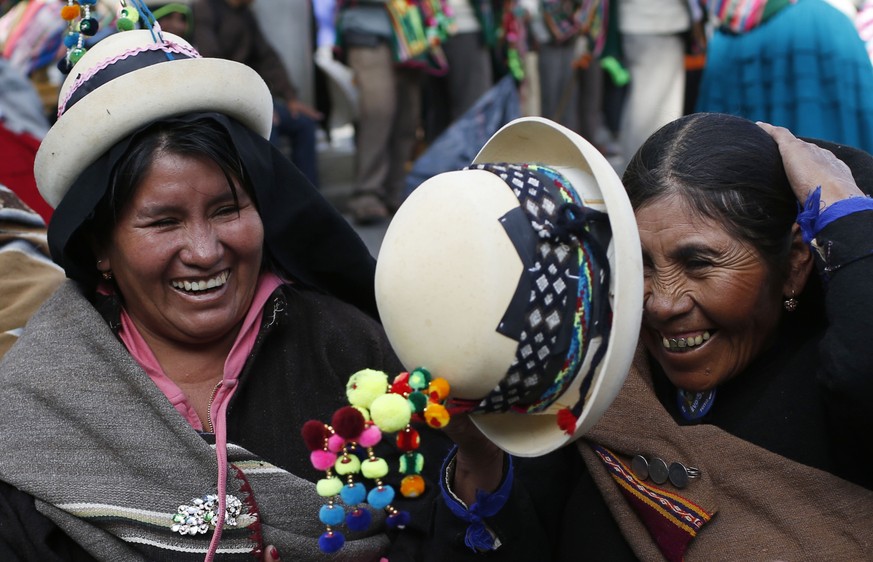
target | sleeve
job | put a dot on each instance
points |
(205, 35)
(527, 527)
(841, 250)
(271, 68)
(26, 534)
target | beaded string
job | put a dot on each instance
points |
(344, 449)
(80, 24)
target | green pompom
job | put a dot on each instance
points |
(374, 468)
(349, 464)
(411, 463)
(390, 412)
(417, 401)
(419, 378)
(328, 487)
(365, 386)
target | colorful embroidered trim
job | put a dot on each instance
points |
(671, 519)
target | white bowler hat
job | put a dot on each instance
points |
(133, 78)
(519, 280)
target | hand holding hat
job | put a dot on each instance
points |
(519, 280)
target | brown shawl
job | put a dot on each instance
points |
(748, 503)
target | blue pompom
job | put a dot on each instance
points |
(354, 494)
(88, 2)
(398, 520)
(381, 496)
(358, 519)
(331, 514)
(71, 40)
(331, 541)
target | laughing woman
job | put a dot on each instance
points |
(216, 302)
(743, 429)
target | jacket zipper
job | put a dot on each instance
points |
(209, 407)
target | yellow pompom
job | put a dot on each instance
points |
(374, 468)
(412, 486)
(347, 464)
(365, 386)
(436, 415)
(390, 412)
(327, 487)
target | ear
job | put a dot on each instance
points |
(102, 256)
(800, 264)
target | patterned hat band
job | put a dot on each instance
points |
(560, 313)
(120, 64)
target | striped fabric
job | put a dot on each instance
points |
(672, 520)
(27, 274)
(740, 16)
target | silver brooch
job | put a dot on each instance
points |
(199, 517)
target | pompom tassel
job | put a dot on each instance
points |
(331, 541)
(567, 421)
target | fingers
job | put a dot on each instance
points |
(271, 554)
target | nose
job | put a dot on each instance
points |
(203, 247)
(665, 298)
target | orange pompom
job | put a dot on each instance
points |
(70, 12)
(412, 486)
(438, 389)
(436, 415)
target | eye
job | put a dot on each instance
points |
(162, 222)
(698, 263)
(227, 210)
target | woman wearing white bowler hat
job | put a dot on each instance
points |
(215, 302)
(732, 432)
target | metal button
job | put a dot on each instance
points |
(658, 470)
(640, 466)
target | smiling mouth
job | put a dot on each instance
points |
(201, 285)
(687, 343)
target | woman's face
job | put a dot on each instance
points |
(710, 305)
(186, 256)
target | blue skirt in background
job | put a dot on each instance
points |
(805, 69)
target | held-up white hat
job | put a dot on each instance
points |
(519, 280)
(130, 79)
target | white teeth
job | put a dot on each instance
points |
(197, 286)
(684, 343)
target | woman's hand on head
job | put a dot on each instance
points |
(478, 462)
(809, 166)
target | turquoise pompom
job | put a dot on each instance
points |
(381, 497)
(354, 494)
(331, 514)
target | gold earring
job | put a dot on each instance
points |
(790, 303)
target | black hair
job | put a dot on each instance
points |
(199, 138)
(727, 169)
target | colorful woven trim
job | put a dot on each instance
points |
(671, 519)
(740, 16)
(566, 309)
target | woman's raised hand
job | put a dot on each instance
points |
(809, 166)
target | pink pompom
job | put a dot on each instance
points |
(370, 436)
(322, 460)
(335, 443)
